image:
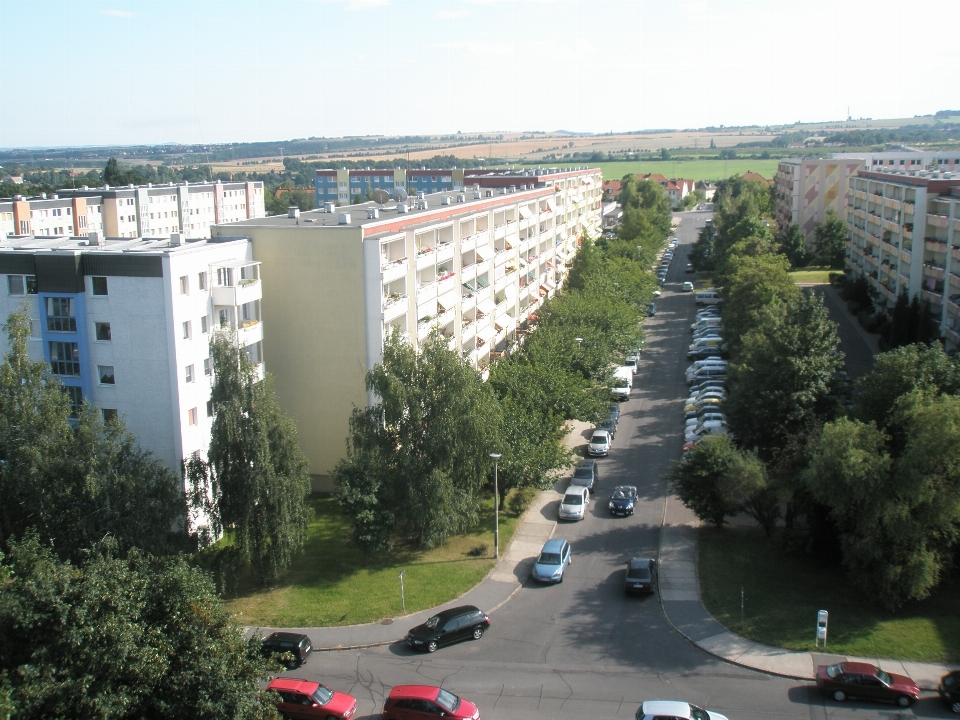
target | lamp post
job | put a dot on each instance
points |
(496, 507)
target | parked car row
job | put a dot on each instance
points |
(707, 377)
(666, 257)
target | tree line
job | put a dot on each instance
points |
(417, 462)
(864, 469)
(107, 606)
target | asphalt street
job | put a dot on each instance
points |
(582, 648)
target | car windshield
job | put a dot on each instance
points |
(322, 695)
(884, 677)
(951, 681)
(698, 713)
(639, 573)
(583, 473)
(619, 494)
(573, 499)
(549, 558)
(432, 622)
(448, 701)
(598, 440)
(834, 670)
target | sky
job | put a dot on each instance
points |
(123, 72)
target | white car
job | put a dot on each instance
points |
(631, 362)
(687, 286)
(709, 427)
(703, 417)
(599, 443)
(655, 709)
(574, 503)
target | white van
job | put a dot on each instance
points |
(706, 322)
(622, 382)
(708, 297)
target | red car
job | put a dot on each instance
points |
(423, 702)
(863, 680)
(305, 699)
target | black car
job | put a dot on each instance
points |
(949, 689)
(448, 627)
(623, 499)
(710, 351)
(290, 649)
(614, 411)
(586, 474)
(608, 424)
(641, 576)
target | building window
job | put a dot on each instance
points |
(99, 285)
(209, 408)
(184, 285)
(186, 330)
(60, 315)
(102, 331)
(202, 281)
(105, 373)
(76, 400)
(203, 325)
(207, 366)
(110, 415)
(22, 284)
(225, 277)
(192, 416)
(189, 374)
(65, 359)
(254, 353)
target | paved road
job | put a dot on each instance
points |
(581, 648)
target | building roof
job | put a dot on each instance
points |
(611, 187)
(755, 176)
(81, 244)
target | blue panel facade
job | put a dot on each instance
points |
(80, 336)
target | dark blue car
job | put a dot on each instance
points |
(623, 500)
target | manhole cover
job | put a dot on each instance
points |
(387, 621)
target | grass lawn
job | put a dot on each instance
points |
(784, 592)
(330, 585)
(812, 275)
(689, 169)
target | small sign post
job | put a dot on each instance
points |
(821, 628)
(403, 605)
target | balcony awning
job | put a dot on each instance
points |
(510, 291)
(448, 301)
(486, 307)
(525, 212)
(484, 253)
(486, 334)
(523, 263)
(504, 321)
(551, 205)
(482, 282)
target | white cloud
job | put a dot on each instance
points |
(117, 13)
(366, 4)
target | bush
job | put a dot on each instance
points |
(519, 500)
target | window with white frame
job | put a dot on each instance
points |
(106, 375)
(188, 373)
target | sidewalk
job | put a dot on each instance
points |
(680, 601)
(500, 584)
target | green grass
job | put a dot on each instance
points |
(812, 275)
(330, 583)
(689, 169)
(784, 592)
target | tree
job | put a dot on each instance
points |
(781, 381)
(716, 480)
(76, 483)
(113, 174)
(115, 637)
(831, 240)
(421, 452)
(256, 475)
(754, 283)
(794, 245)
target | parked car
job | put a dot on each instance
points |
(863, 680)
(614, 410)
(709, 297)
(573, 506)
(706, 351)
(306, 699)
(701, 404)
(687, 286)
(553, 561)
(688, 268)
(623, 499)
(705, 416)
(660, 281)
(631, 361)
(416, 702)
(290, 649)
(587, 473)
(675, 710)
(949, 689)
(599, 444)
(707, 427)
(609, 425)
(641, 576)
(448, 627)
(721, 384)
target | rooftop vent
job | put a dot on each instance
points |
(343, 219)
(43, 196)
(93, 238)
(503, 191)
(84, 187)
(373, 213)
(476, 195)
(176, 240)
(489, 193)
(421, 195)
(461, 198)
(293, 212)
(445, 200)
(402, 208)
(329, 207)
(149, 185)
(54, 197)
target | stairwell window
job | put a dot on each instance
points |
(98, 285)
(65, 359)
(60, 315)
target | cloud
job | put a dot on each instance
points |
(118, 13)
(366, 4)
(450, 14)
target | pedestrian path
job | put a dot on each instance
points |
(680, 600)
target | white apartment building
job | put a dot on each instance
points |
(126, 325)
(476, 264)
(904, 235)
(190, 209)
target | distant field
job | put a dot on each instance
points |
(689, 169)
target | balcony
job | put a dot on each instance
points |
(934, 271)
(249, 332)
(395, 306)
(426, 258)
(499, 232)
(240, 294)
(936, 220)
(426, 291)
(468, 243)
(933, 297)
(446, 282)
(890, 249)
(935, 245)
(445, 252)
(393, 270)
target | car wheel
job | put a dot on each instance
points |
(477, 633)
(904, 701)
(839, 695)
(432, 646)
(955, 707)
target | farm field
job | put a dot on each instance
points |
(689, 169)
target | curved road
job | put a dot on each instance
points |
(581, 648)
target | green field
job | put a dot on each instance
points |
(784, 591)
(690, 169)
(332, 583)
(813, 276)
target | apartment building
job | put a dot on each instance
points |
(809, 188)
(904, 235)
(134, 211)
(476, 264)
(125, 324)
(342, 186)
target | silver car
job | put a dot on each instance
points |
(553, 561)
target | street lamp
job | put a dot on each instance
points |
(579, 341)
(496, 507)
